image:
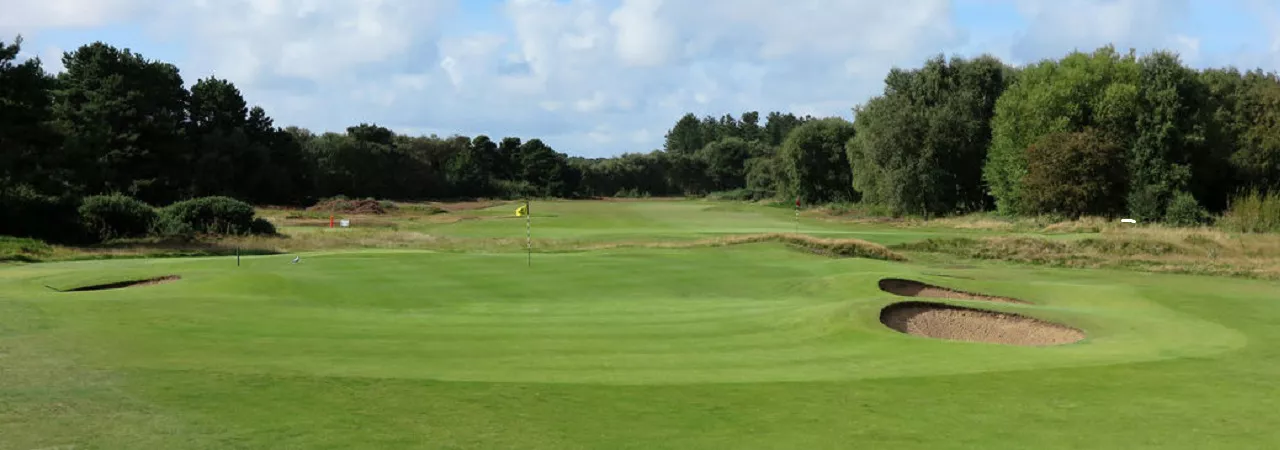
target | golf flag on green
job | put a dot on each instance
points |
(528, 233)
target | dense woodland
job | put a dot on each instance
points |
(1093, 133)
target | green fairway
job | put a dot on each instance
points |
(745, 346)
(596, 221)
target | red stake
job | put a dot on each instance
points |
(331, 221)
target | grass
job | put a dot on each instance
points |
(647, 324)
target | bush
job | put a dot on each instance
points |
(23, 249)
(741, 194)
(1254, 212)
(262, 227)
(1185, 211)
(170, 226)
(116, 216)
(31, 214)
(207, 215)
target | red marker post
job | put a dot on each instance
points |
(330, 221)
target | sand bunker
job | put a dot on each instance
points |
(941, 321)
(125, 284)
(911, 288)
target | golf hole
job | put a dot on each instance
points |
(912, 288)
(956, 323)
(126, 284)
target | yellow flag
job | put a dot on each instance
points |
(521, 211)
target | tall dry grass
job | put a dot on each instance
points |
(1253, 212)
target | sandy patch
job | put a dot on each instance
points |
(941, 321)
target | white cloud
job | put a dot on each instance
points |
(1057, 27)
(589, 76)
(643, 39)
(45, 14)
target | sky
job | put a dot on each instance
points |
(599, 78)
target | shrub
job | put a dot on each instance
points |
(262, 226)
(170, 226)
(208, 215)
(1185, 211)
(31, 214)
(23, 249)
(1253, 212)
(116, 216)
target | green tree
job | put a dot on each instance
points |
(920, 147)
(686, 136)
(122, 117)
(726, 162)
(1257, 155)
(1074, 174)
(814, 162)
(1081, 90)
(28, 145)
(1170, 130)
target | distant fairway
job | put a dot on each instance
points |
(747, 346)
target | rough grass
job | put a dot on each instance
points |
(848, 248)
(1254, 212)
(1159, 249)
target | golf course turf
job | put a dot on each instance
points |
(749, 345)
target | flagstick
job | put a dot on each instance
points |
(528, 235)
(797, 216)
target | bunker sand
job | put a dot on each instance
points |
(942, 321)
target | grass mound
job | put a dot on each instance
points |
(942, 321)
(339, 205)
(846, 248)
(912, 288)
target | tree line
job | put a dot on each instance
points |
(1092, 133)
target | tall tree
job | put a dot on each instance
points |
(920, 147)
(1081, 90)
(686, 136)
(28, 144)
(815, 164)
(1170, 129)
(122, 117)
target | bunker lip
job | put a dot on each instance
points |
(912, 288)
(958, 323)
(126, 284)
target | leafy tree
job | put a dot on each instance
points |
(122, 117)
(726, 162)
(1170, 129)
(1074, 174)
(28, 145)
(1257, 159)
(686, 136)
(547, 171)
(814, 162)
(1082, 90)
(920, 147)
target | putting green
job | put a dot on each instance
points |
(753, 313)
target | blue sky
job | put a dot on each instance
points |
(603, 77)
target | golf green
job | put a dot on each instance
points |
(749, 346)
